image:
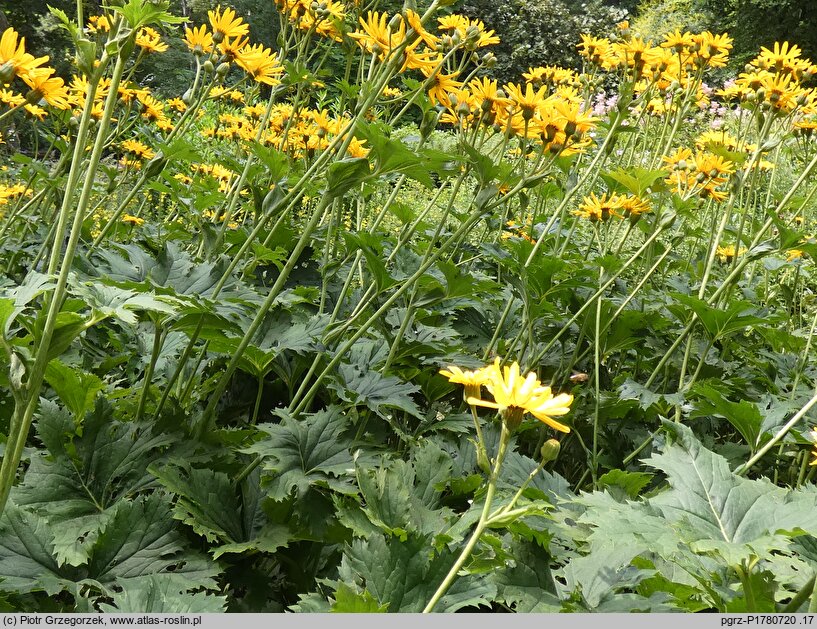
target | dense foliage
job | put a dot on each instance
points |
(346, 324)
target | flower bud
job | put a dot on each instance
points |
(550, 450)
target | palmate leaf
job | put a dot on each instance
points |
(717, 322)
(348, 601)
(717, 511)
(362, 386)
(527, 585)
(404, 576)
(87, 469)
(120, 303)
(691, 535)
(279, 332)
(210, 503)
(139, 539)
(401, 497)
(26, 544)
(142, 539)
(744, 415)
(75, 387)
(161, 594)
(312, 452)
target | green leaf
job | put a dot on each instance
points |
(634, 180)
(404, 575)
(345, 174)
(208, 502)
(300, 454)
(719, 323)
(528, 586)
(139, 539)
(367, 387)
(631, 483)
(717, 511)
(743, 415)
(348, 601)
(26, 550)
(86, 470)
(372, 248)
(142, 539)
(139, 13)
(395, 505)
(76, 388)
(161, 594)
(110, 301)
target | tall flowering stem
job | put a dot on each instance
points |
(514, 396)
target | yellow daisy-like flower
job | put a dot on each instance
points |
(794, 254)
(198, 40)
(149, 40)
(225, 24)
(45, 87)
(129, 219)
(461, 376)
(14, 60)
(138, 149)
(514, 396)
(727, 253)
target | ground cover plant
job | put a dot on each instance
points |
(350, 326)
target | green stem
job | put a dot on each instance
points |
(743, 469)
(797, 601)
(26, 404)
(481, 524)
(154, 356)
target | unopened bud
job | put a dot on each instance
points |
(550, 450)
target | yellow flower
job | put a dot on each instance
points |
(596, 209)
(98, 24)
(471, 380)
(377, 36)
(356, 148)
(260, 63)
(440, 85)
(226, 24)
(527, 100)
(150, 41)
(45, 87)
(514, 396)
(14, 60)
(138, 149)
(794, 254)
(597, 51)
(728, 252)
(129, 219)
(198, 40)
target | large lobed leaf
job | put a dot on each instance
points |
(300, 454)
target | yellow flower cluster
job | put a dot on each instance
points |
(514, 395)
(43, 87)
(774, 81)
(296, 132)
(621, 206)
(703, 174)
(678, 57)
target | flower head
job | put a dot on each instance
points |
(514, 396)
(226, 24)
